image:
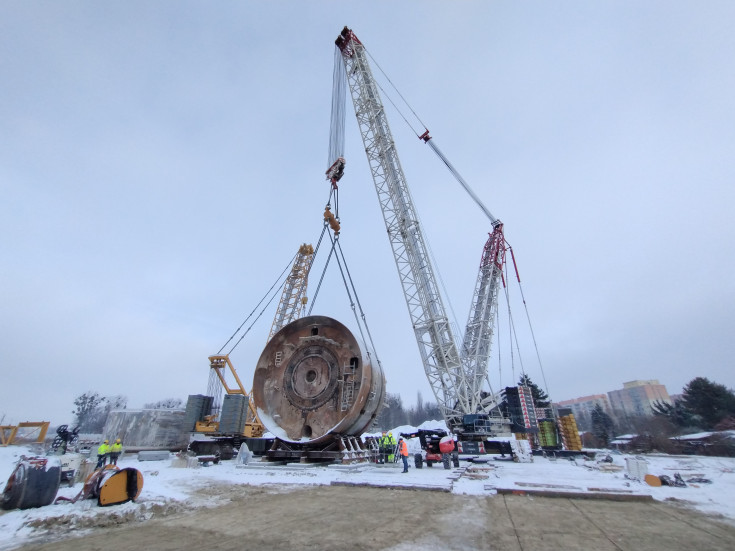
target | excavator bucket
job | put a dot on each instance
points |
(123, 486)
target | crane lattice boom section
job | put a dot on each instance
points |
(442, 364)
(481, 321)
(294, 290)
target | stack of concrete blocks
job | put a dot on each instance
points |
(198, 407)
(234, 413)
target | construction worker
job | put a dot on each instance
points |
(403, 451)
(383, 448)
(102, 453)
(115, 451)
(391, 447)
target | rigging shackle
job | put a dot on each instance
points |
(333, 223)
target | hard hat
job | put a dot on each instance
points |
(117, 440)
(106, 441)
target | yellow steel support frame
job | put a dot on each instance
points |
(253, 427)
(9, 432)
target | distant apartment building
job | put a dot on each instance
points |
(582, 407)
(636, 398)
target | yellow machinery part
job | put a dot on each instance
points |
(253, 427)
(9, 432)
(125, 485)
(206, 426)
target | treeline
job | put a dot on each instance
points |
(394, 414)
(92, 409)
(704, 406)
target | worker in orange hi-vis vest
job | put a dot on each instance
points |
(403, 450)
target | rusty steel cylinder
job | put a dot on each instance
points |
(312, 383)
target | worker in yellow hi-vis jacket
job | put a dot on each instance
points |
(115, 451)
(392, 446)
(102, 452)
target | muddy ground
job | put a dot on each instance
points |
(327, 518)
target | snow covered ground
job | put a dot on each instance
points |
(169, 489)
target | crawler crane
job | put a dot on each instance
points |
(290, 307)
(456, 373)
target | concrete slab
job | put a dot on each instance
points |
(568, 494)
(335, 518)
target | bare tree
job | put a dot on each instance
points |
(168, 403)
(92, 410)
(90, 414)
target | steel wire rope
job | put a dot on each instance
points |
(337, 114)
(429, 141)
(515, 339)
(255, 320)
(418, 216)
(533, 338)
(337, 247)
(530, 326)
(500, 360)
(459, 332)
(457, 328)
(359, 306)
(257, 305)
(324, 271)
(510, 334)
(452, 170)
(325, 225)
(399, 95)
(316, 249)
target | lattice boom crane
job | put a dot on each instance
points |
(456, 375)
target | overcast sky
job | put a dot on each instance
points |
(161, 162)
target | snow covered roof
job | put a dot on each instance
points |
(695, 436)
(704, 435)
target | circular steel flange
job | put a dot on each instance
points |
(312, 383)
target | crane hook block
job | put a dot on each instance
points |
(336, 171)
(333, 223)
